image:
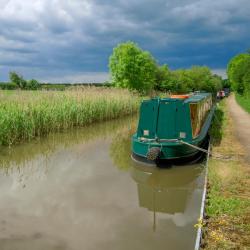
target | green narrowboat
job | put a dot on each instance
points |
(174, 128)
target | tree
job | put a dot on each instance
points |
(246, 81)
(132, 68)
(17, 79)
(32, 84)
(14, 77)
(236, 70)
(162, 79)
(226, 83)
(180, 81)
(201, 76)
(194, 79)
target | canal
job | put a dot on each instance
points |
(80, 190)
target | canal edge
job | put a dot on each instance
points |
(203, 201)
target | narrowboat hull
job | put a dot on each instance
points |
(170, 154)
(175, 150)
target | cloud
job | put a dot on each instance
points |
(41, 37)
(86, 77)
(220, 72)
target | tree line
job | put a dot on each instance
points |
(136, 69)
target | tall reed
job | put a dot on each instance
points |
(27, 114)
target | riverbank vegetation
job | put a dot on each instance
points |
(238, 71)
(228, 204)
(44, 147)
(27, 114)
(244, 101)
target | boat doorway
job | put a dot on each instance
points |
(166, 122)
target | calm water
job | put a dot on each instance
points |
(81, 191)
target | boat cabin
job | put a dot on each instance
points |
(173, 128)
(179, 116)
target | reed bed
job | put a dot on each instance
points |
(28, 114)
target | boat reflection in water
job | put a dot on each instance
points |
(169, 193)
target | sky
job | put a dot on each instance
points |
(71, 40)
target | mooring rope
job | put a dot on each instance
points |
(211, 154)
(193, 146)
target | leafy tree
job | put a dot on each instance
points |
(226, 83)
(246, 81)
(163, 76)
(14, 77)
(32, 84)
(194, 79)
(236, 70)
(17, 79)
(180, 81)
(215, 84)
(135, 69)
(201, 77)
(132, 68)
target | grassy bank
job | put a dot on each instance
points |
(228, 223)
(27, 114)
(243, 101)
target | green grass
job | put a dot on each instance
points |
(244, 101)
(228, 200)
(225, 176)
(224, 199)
(28, 114)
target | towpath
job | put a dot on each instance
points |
(242, 124)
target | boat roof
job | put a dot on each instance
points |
(196, 97)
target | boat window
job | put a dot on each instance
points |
(199, 112)
(194, 118)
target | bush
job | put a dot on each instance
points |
(8, 86)
(238, 71)
(20, 83)
(32, 84)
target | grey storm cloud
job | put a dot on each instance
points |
(63, 40)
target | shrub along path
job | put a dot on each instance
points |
(242, 124)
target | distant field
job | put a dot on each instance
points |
(54, 86)
(244, 102)
(27, 114)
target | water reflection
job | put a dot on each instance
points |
(22, 155)
(31, 161)
(173, 193)
(120, 148)
(169, 191)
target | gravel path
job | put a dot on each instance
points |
(242, 124)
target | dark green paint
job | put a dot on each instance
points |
(168, 118)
